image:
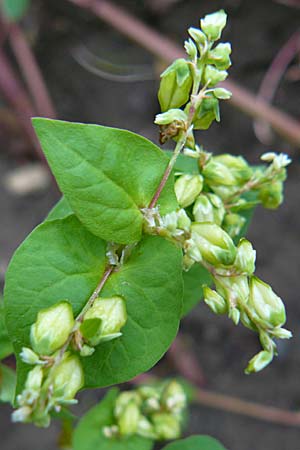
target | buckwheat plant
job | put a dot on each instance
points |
(95, 294)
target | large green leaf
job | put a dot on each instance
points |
(106, 174)
(7, 384)
(89, 433)
(196, 443)
(13, 10)
(6, 347)
(61, 259)
(193, 280)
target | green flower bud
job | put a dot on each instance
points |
(207, 112)
(173, 397)
(34, 379)
(233, 224)
(213, 76)
(266, 342)
(146, 392)
(191, 49)
(166, 426)
(187, 188)
(113, 316)
(209, 208)
(227, 170)
(282, 333)
(213, 24)
(259, 361)
(192, 253)
(268, 307)
(123, 399)
(245, 257)
(29, 357)
(214, 244)
(222, 94)
(220, 56)
(183, 220)
(247, 322)
(145, 428)
(188, 262)
(214, 300)
(129, 419)
(234, 314)
(198, 36)
(175, 85)
(234, 289)
(22, 414)
(86, 350)
(172, 115)
(169, 221)
(52, 328)
(67, 377)
(271, 195)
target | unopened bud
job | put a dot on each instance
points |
(172, 115)
(192, 253)
(227, 170)
(259, 361)
(67, 377)
(191, 49)
(220, 56)
(234, 289)
(183, 220)
(169, 221)
(21, 414)
(222, 94)
(214, 300)
(281, 333)
(207, 112)
(245, 258)
(113, 316)
(175, 85)
(145, 428)
(86, 351)
(29, 357)
(213, 24)
(166, 426)
(52, 328)
(129, 419)
(214, 244)
(34, 379)
(233, 224)
(234, 314)
(266, 342)
(198, 36)
(267, 305)
(213, 76)
(187, 188)
(123, 399)
(271, 195)
(173, 397)
(209, 208)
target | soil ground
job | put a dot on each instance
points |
(257, 29)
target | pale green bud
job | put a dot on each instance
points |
(281, 333)
(266, 342)
(220, 56)
(267, 305)
(166, 426)
(123, 399)
(52, 328)
(259, 361)
(175, 85)
(213, 76)
(145, 428)
(113, 315)
(148, 392)
(21, 414)
(198, 36)
(209, 208)
(214, 300)
(234, 289)
(271, 195)
(234, 314)
(187, 188)
(172, 115)
(245, 257)
(233, 224)
(169, 221)
(222, 94)
(173, 397)
(207, 112)
(29, 357)
(213, 24)
(183, 220)
(227, 170)
(192, 253)
(67, 377)
(214, 244)
(247, 322)
(188, 262)
(129, 419)
(34, 379)
(110, 431)
(191, 49)
(86, 351)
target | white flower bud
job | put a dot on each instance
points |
(234, 314)
(67, 377)
(52, 328)
(281, 333)
(29, 357)
(234, 289)
(183, 220)
(187, 188)
(209, 208)
(173, 397)
(34, 379)
(245, 258)
(215, 301)
(259, 361)
(170, 116)
(21, 414)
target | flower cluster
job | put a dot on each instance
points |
(152, 411)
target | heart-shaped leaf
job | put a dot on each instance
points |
(196, 443)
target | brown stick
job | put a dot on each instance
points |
(165, 49)
(31, 72)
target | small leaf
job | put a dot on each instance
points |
(196, 443)
(107, 175)
(14, 10)
(193, 280)
(89, 433)
(6, 347)
(90, 327)
(7, 384)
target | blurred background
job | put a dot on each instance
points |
(60, 59)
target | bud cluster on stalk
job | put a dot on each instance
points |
(153, 411)
(56, 339)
